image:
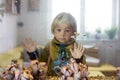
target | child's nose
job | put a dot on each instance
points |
(63, 33)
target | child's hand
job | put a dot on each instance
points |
(77, 51)
(29, 45)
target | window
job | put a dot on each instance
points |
(94, 17)
(71, 6)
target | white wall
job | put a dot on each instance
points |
(35, 23)
(8, 32)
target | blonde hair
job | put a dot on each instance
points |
(62, 18)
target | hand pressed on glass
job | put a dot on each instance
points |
(29, 45)
(78, 51)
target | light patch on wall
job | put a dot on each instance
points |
(33, 5)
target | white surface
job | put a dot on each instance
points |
(90, 59)
(89, 46)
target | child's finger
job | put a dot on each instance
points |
(75, 47)
(71, 51)
(78, 46)
(83, 49)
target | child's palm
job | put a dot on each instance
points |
(77, 51)
(29, 45)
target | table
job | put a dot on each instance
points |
(106, 69)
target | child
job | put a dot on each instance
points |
(62, 47)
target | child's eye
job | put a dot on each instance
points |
(58, 30)
(67, 30)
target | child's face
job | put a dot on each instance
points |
(63, 33)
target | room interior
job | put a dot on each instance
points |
(35, 22)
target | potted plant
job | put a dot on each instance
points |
(111, 32)
(98, 33)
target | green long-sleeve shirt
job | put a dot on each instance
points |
(51, 51)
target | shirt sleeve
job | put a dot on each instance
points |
(44, 54)
(33, 55)
(81, 60)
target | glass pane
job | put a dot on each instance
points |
(71, 6)
(98, 14)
